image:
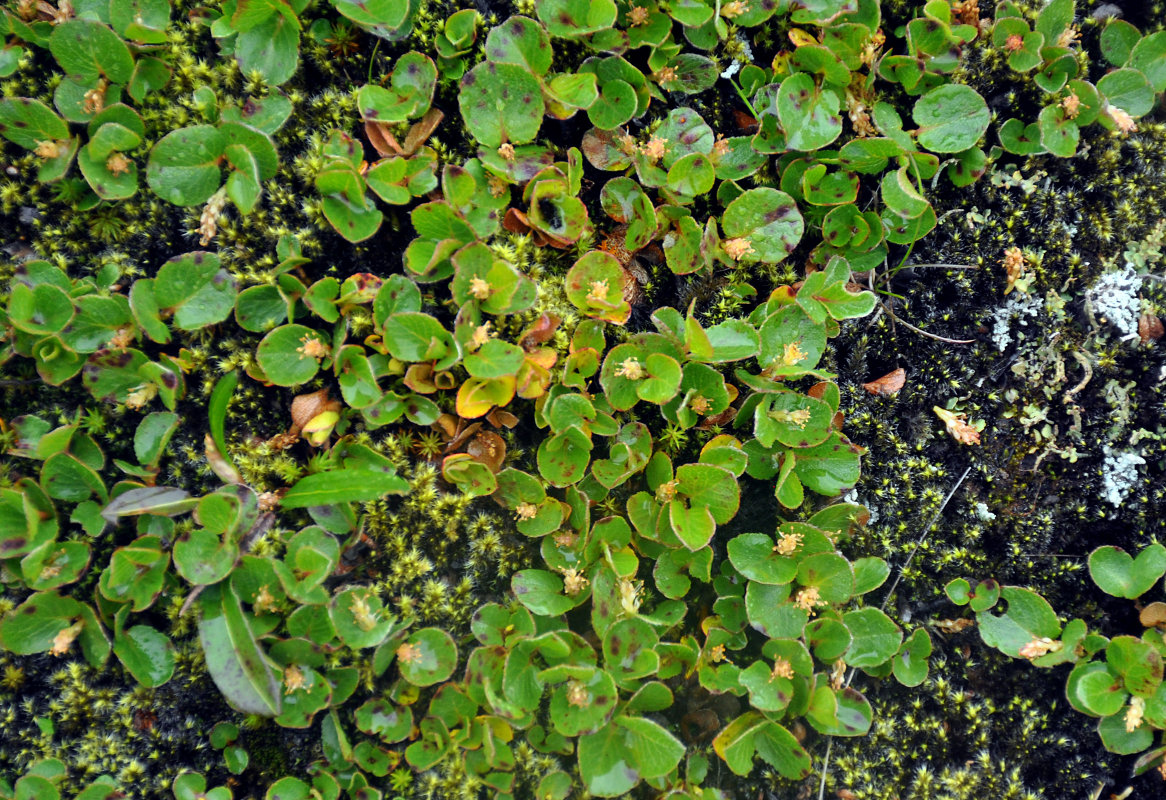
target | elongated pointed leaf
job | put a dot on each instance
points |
(233, 657)
(343, 486)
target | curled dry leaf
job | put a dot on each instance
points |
(501, 419)
(540, 332)
(1013, 263)
(889, 384)
(954, 625)
(957, 426)
(419, 378)
(488, 448)
(382, 139)
(220, 465)
(380, 135)
(446, 425)
(1150, 327)
(306, 407)
(422, 129)
(1153, 615)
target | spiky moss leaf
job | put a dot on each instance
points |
(501, 103)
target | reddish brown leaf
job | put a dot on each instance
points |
(422, 130)
(488, 448)
(1150, 327)
(382, 139)
(889, 384)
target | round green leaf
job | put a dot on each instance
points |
(1028, 616)
(951, 118)
(195, 290)
(282, 357)
(613, 760)
(910, 665)
(1118, 574)
(146, 653)
(1128, 89)
(520, 41)
(769, 222)
(875, 637)
(542, 592)
(427, 657)
(808, 113)
(501, 103)
(28, 122)
(692, 175)
(754, 555)
(271, 47)
(288, 788)
(584, 702)
(381, 718)
(1117, 739)
(767, 691)
(360, 619)
(89, 50)
(183, 167)
(413, 336)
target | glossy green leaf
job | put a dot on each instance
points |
(234, 658)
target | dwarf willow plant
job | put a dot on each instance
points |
(647, 425)
(1116, 680)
